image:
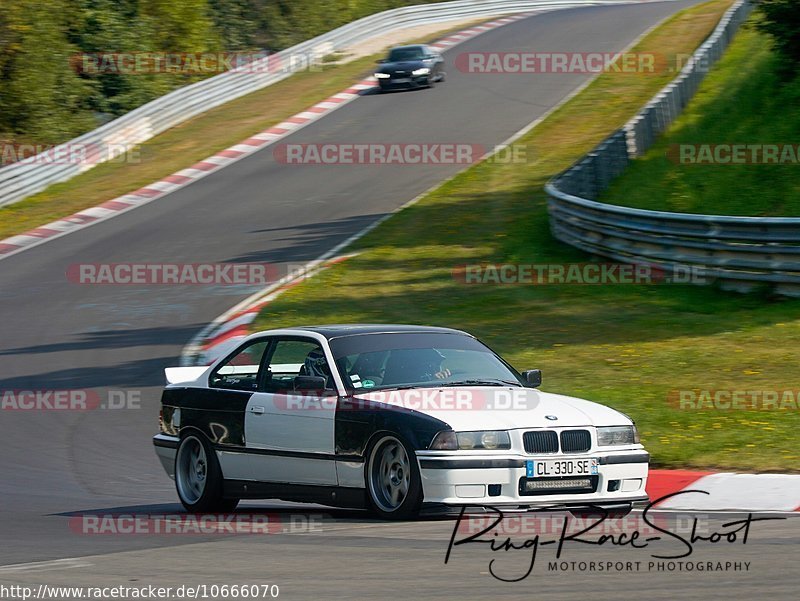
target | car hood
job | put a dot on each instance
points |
(401, 66)
(499, 408)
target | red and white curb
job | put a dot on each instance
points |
(184, 177)
(726, 491)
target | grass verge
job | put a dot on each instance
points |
(627, 345)
(742, 101)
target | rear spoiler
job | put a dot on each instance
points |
(179, 375)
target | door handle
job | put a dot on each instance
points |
(257, 409)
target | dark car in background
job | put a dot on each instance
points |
(407, 67)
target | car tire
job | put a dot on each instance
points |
(393, 482)
(198, 477)
(442, 76)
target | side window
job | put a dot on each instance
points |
(293, 358)
(240, 372)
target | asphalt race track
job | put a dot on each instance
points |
(59, 335)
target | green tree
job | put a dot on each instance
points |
(42, 99)
(108, 27)
(235, 23)
(179, 25)
(781, 20)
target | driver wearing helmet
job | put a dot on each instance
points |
(432, 360)
(316, 364)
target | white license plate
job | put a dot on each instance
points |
(402, 80)
(548, 468)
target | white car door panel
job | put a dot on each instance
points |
(290, 435)
(291, 429)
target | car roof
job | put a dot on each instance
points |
(408, 47)
(340, 330)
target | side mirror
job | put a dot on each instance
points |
(380, 61)
(533, 377)
(309, 383)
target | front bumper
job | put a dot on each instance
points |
(412, 82)
(479, 479)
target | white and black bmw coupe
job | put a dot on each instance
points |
(396, 419)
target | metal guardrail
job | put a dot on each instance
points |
(739, 252)
(33, 174)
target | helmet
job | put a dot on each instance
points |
(316, 364)
(430, 358)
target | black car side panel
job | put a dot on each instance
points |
(218, 413)
(357, 421)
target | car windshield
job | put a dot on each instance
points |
(400, 360)
(414, 53)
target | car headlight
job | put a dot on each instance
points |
(382, 76)
(422, 71)
(617, 435)
(488, 440)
